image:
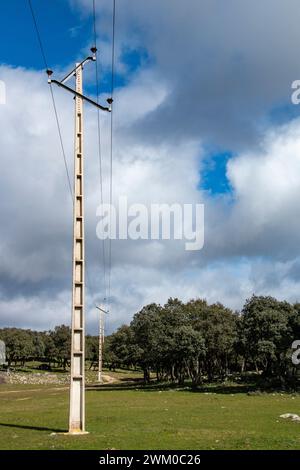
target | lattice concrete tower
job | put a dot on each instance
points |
(77, 387)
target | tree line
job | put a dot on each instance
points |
(178, 341)
(51, 347)
(202, 342)
(23, 345)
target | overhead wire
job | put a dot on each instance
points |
(52, 98)
(111, 145)
(99, 143)
(107, 284)
(42, 49)
(107, 289)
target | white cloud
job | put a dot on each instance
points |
(36, 239)
(266, 187)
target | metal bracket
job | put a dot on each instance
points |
(74, 92)
(62, 85)
(73, 72)
(101, 309)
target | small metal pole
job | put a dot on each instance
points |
(101, 333)
(101, 341)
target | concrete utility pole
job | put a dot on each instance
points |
(101, 341)
(77, 385)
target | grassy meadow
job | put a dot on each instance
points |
(124, 415)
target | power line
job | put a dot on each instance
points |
(61, 143)
(38, 34)
(52, 97)
(57, 121)
(99, 142)
(34, 18)
(111, 141)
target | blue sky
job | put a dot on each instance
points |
(213, 173)
(56, 22)
(66, 35)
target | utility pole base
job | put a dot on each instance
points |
(69, 433)
(76, 433)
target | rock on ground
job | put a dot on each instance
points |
(291, 416)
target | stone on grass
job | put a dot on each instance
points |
(291, 416)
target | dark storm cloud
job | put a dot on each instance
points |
(226, 64)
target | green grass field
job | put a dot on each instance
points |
(134, 418)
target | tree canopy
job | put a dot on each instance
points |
(179, 341)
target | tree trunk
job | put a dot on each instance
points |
(146, 376)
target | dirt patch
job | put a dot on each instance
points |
(108, 379)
